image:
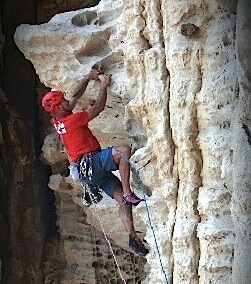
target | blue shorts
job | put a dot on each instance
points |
(102, 165)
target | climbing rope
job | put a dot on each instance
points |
(147, 210)
(105, 235)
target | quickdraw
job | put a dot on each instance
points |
(92, 193)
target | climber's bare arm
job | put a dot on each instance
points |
(81, 87)
(99, 105)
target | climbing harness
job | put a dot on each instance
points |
(147, 210)
(92, 193)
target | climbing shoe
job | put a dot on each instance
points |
(136, 245)
(132, 199)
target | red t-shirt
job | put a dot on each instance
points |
(76, 135)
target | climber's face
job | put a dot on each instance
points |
(62, 109)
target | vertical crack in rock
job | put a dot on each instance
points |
(189, 164)
(185, 82)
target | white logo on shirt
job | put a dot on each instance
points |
(60, 127)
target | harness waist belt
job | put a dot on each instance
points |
(91, 153)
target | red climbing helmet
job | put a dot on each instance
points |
(52, 99)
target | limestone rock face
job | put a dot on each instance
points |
(180, 95)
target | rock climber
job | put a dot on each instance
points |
(79, 142)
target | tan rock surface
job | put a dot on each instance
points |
(181, 99)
